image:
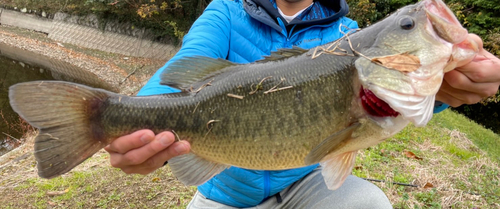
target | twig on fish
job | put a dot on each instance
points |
(352, 48)
(279, 89)
(274, 87)
(130, 74)
(6, 134)
(235, 96)
(259, 86)
(343, 50)
(313, 56)
(177, 138)
(196, 107)
(210, 129)
(210, 122)
(204, 85)
(336, 43)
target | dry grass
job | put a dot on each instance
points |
(93, 184)
(452, 172)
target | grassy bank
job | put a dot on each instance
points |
(452, 162)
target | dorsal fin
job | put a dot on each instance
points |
(283, 54)
(184, 72)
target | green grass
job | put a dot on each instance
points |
(483, 138)
(461, 164)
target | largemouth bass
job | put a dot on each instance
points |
(295, 108)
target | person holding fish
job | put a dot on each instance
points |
(282, 132)
(245, 31)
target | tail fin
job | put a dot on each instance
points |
(67, 116)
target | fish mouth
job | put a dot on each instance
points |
(444, 22)
(375, 106)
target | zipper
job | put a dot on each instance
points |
(267, 183)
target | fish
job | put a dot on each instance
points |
(291, 109)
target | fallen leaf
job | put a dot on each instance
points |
(358, 167)
(410, 154)
(51, 203)
(402, 62)
(156, 179)
(428, 185)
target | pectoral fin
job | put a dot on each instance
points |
(193, 170)
(327, 145)
(336, 168)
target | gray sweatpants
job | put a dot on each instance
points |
(311, 192)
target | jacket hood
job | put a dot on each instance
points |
(265, 12)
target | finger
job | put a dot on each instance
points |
(456, 97)
(476, 39)
(485, 68)
(452, 100)
(158, 160)
(176, 149)
(459, 81)
(448, 99)
(132, 141)
(141, 154)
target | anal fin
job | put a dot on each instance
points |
(193, 170)
(336, 168)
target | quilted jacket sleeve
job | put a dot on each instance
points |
(208, 36)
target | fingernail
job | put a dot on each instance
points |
(146, 138)
(180, 148)
(165, 141)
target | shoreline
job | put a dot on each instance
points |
(128, 74)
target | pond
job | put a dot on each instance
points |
(16, 66)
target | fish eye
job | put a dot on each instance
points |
(407, 23)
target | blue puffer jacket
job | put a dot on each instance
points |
(243, 32)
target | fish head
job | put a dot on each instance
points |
(403, 69)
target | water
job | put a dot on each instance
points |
(17, 66)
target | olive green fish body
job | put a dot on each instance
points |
(259, 131)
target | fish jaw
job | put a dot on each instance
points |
(444, 22)
(441, 45)
(414, 108)
(462, 52)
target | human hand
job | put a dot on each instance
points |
(142, 152)
(472, 81)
